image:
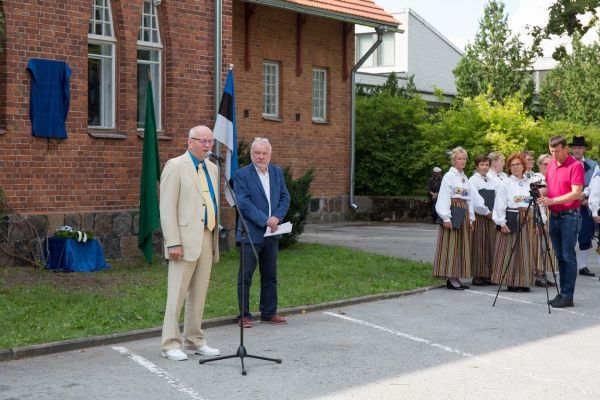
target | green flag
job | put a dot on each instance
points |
(149, 214)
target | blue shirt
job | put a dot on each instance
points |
(210, 186)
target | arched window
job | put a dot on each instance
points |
(101, 67)
(149, 61)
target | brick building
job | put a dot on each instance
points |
(292, 63)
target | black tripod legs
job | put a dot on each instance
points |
(241, 353)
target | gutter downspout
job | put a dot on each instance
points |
(353, 111)
(217, 77)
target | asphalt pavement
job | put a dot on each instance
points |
(435, 344)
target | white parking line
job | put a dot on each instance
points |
(150, 366)
(459, 352)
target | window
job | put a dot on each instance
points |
(149, 60)
(271, 89)
(383, 56)
(319, 97)
(101, 67)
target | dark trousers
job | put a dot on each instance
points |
(587, 229)
(267, 266)
(563, 232)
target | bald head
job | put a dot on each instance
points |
(200, 141)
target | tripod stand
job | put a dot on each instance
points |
(241, 351)
(542, 242)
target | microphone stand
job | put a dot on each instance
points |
(241, 351)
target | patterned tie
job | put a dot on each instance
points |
(210, 208)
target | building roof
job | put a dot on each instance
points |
(362, 12)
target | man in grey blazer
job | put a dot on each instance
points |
(188, 215)
(263, 200)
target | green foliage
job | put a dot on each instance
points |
(571, 91)
(389, 146)
(243, 153)
(496, 63)
(300, 196)
(568, 129)
(480, 126)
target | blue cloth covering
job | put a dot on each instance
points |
(50, 97)
(69, 255)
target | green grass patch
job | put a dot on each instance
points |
(40, 306)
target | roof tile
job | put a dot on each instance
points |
(361, 8)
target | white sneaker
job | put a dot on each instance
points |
(206, 350)
(175, 355)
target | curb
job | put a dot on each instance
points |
(93, 341)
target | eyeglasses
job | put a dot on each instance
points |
(515, 165)
(204, 142)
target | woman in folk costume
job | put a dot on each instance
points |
(497, 167)
(483, 239)
(513, 197)
(452, 256)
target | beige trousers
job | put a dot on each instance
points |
(187, 279)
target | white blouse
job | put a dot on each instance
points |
(497, 177)
(594, 198)
(455, 185)
(513, 193)
(479, 182)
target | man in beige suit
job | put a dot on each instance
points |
(188, 215)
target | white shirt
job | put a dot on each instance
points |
(513, 193)
(264, 180)
(455, 185)
(498, 177)
(594, 198)
(479, 182)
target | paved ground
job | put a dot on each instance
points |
(438, 344)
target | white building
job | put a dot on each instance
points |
(420, 50)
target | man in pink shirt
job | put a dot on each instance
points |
(565, 179)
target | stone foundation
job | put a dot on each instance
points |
(329, 209)
(392, 209)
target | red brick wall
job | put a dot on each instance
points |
(303, 144)
(87, 173)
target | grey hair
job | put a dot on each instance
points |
(542, 157)
(495, 156)
(261, 141)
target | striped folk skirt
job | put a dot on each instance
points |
(452, 255)
(520, 272)
(483, 244)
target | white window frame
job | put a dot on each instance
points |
(319, 104)
(111, 41)
(152, 46)
(267, 93)
(375, 59)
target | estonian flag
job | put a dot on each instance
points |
(225, 133)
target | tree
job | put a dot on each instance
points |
(571, 91)
(565, 16)
(497, 63)
(480, 126)
(388, 144)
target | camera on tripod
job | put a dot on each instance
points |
(534, 189)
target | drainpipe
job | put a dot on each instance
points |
(218, 57)
(353, 111)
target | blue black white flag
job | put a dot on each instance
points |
(225, 132)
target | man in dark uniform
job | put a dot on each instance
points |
(433, 188)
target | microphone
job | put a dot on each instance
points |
(216, 157)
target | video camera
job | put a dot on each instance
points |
(534, 188)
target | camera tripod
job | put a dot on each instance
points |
(542, 241)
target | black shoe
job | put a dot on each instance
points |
(488, 281)
(462, 285)
(523, 289)
(585, 271)
(478, 282)
(563, 302)
(541, 282)
(555, 299)
(512, 288)
(450, 284)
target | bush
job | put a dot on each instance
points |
(300, 196)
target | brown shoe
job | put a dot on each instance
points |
(275, 319)
(245, 322)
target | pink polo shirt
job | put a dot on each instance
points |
(560, 178)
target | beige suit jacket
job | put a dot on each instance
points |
(182, 207)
